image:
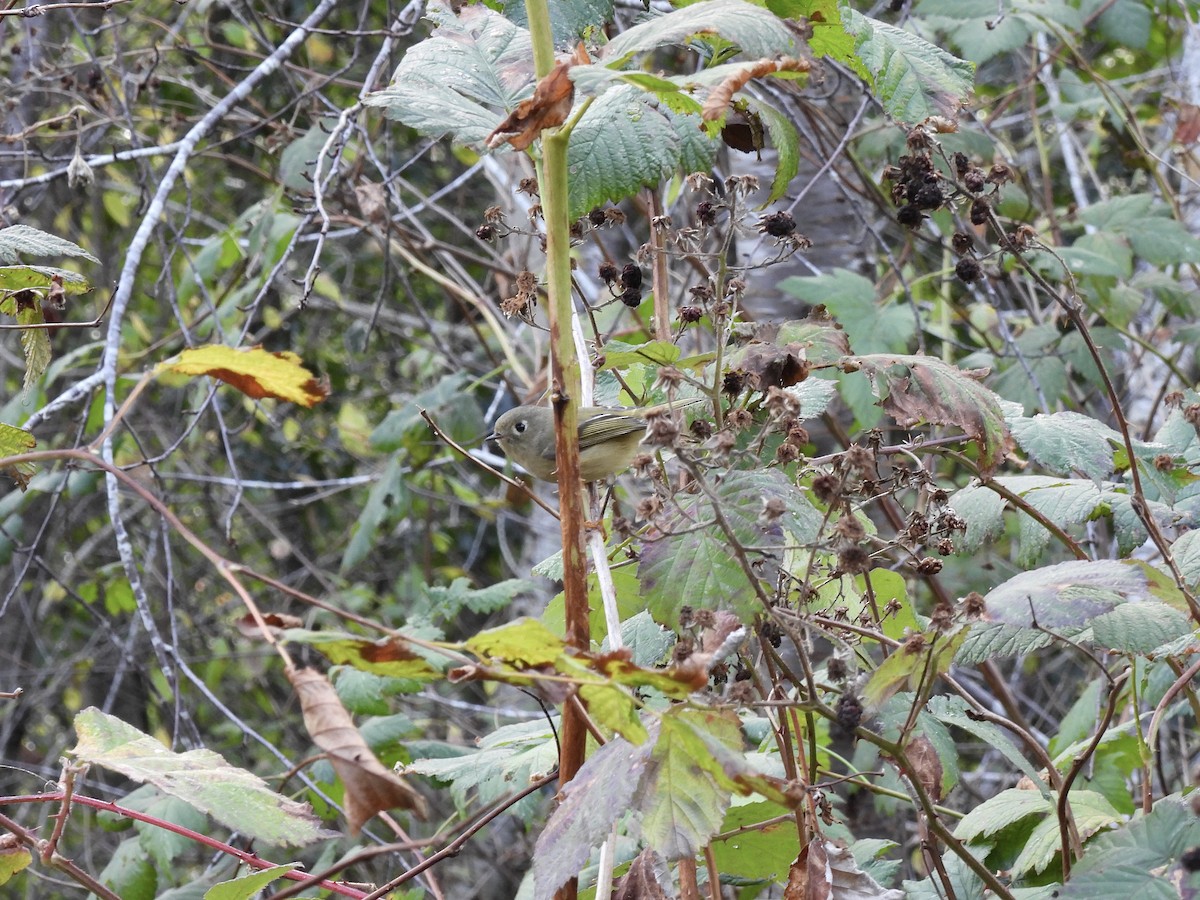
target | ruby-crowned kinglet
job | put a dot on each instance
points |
(608, 438)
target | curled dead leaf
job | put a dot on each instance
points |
(548, 107)
(370, 787)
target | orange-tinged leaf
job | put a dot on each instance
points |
(253, 371)
(370, 786)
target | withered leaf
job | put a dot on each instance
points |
(645, 879)
(370, 786)
(547, 108)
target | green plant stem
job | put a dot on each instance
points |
(564, 389)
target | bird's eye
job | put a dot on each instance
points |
(519, 428)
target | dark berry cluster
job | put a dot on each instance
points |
(625, 283)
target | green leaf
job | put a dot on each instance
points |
(525, 642)
(248, 885)
(1068, 442)
(461, 79)
(508, 758)
(1138, 859)
(923, 389)
(913, 663)
(570, 20)
(448, 403)
(829, 36)
(955, 711)
(232, 796)
(627, 140)
(384, 501)
(871, 327)
(786, 141)
(19, 278)
(1140, 628)
(1091, 812)
(163, 845)
(35, 342)
(756, 851)
(16, 240)
(756, 31)
(1126, 23)
(690, 562)
(683, 802)
(1066, 599)
(912, 78)
(129, 872)
(392, 656)
(619, 355)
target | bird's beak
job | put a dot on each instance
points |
(492, 437)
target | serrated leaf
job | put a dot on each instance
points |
(786, 141)
(619, 355)
(1068, 442)
(129, 872)
(627, 140)
(461, 79)
(1090, 811)
(253, 371)
(1136, 860)
(693, 565)
(13, 442)
(509, 757)
(912, 664)
(756, 31)
(1140, 628)
(917, 389)
(871, 327)
(955, 711)
(600, 793)
(22, 239)
(391, 656)
(912, 78)
(525, 642)
(12, 861)
(569, 19)
(234, 797)
(19, 278)
(35, 342)
(247, 886)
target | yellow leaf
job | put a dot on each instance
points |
(14, 441)
(253, 371)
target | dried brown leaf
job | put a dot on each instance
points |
(370, 786)
(547, 108)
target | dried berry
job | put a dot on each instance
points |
(632, 297)
(690, 314)
(849, 713)
(968, 269)
(909, 216)
(608, 272)
(631, 277)
(786, 453)
(835, 668)
(706, 212)
(485, 232)
(929, 566)
(928, 196)
(777, 224)
(974, 605)
(528, 186)
(596, 217)
(1000, 174)
(961, 243)
(826, 487)
(974, 181)
(961, 163)
(854, 561)
(980, 211)
(733, 383)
